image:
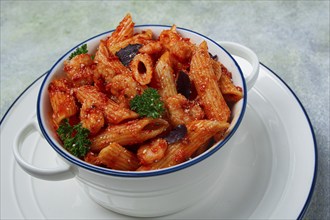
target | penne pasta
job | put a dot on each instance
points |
(132, 132)
(203, 77)
(117, 157)
(111, 62)
(124, 30)
(102, 53)
(152, 48)
(216, 68)
(164, 77)
(142, 68)
(199, 133)
(142, 38)
(204, 147)
(61, 100)
(92, 158)
(230, 92)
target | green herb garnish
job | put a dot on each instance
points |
(148, 104)
(74, 138)
(79, 50)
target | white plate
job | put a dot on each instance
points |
(270, 174)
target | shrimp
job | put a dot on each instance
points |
(152, 152)
(91, 117)
(183, 111)
(124, 88)
(80, 69)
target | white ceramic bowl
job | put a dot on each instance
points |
(149, 193)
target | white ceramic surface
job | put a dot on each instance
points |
(270, 172)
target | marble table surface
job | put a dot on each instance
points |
(289, 37)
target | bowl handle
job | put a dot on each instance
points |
(248, 55)
(59, 173)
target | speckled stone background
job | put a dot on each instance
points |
(289, 37)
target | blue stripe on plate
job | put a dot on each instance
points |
(311, 191)
(307, 202)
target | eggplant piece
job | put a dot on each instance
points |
(175, 135)
(127, 54)
(183, 84)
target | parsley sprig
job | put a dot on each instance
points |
(74, 138)
(148, 104)
(79, 50)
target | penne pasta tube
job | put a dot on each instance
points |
(63, 106)
(132, 132)
(202, 148)
(115, 113)
(142, 68)
(102, 53)
(153, 47)
(199, 133)
(216, 68)
(165, 77)
(61, 100)
(92, 158)
(230, 92)
(141, 38)
(110, 61)
(123, 31)
(202, 74)
(117, 157)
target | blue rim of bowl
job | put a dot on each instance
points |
(151, 173)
